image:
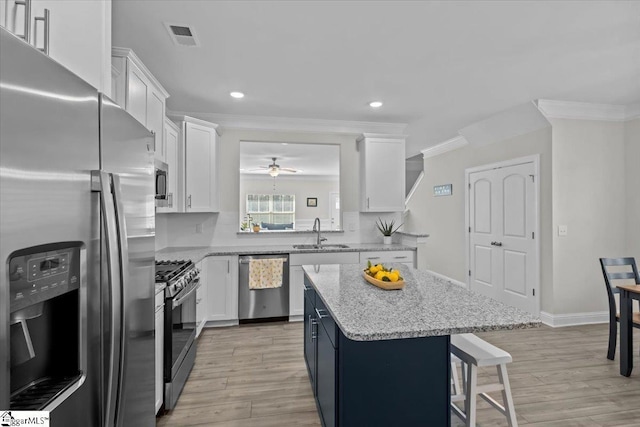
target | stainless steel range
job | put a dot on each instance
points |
(182, 280)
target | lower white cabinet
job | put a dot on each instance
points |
(296, 275)
(159, 377)
(201, 299)
(296, 290)
(222, 288)
(383, 257)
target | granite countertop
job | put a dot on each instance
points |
(427, 306)
(196, 254)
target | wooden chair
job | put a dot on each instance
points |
(609, 276)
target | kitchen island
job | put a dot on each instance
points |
(380, 358)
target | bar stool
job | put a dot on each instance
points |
(474, 352)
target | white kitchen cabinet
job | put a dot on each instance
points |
(198, 182)
(136, 90)
(382, 173)
(171, 144)
(201, 298)
(159, 330)
(385, 257)
(79, 34)
(296, 290)
(222, 288)
(296, 275)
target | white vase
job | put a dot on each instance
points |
(387, 240)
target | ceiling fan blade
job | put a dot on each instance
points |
(288, 170)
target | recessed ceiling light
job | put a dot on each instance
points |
(375, 104)
(237, 95)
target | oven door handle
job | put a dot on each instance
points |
(183, 298)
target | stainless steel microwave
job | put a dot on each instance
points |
(163, 199)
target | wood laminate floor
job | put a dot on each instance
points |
(255, 376)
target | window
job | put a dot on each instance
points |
(272, 209)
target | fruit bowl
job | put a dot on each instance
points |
(382, 284)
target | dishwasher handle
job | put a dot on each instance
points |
(248, 260)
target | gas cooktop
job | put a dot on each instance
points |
(166, 271)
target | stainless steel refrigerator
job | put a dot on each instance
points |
(77, 241)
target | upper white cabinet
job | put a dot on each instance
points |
(198, 157)
(169, 154)
(222, 288)
(382, 172)
(78, 34)
(136, 90)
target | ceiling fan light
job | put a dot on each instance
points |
(274, 172)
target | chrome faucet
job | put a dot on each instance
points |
(316, 222)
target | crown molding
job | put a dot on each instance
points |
(449, 145)
(265, 123)
(552, 109)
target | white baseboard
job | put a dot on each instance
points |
(298, 318)
(443, 277)
(221, 323)
(574, 319)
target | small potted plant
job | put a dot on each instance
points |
(244, 226)
(256, 227)
(387, 230)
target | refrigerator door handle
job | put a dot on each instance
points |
(101, 182)
(124, 276)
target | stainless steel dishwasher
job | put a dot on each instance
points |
(262, 303)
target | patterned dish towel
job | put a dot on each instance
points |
(265, 273)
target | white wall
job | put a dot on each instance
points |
(589, 195)
(443, 217)
(632, 166)
(221, 228)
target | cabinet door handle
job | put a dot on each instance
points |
(47, 25)
(496, 243)
(367, 203)
(321, 315)
(170, 197)
(374, 257)
(400, 257)
(27, 18)
(189, 201)
(312, 331)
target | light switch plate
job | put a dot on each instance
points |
(562, 230)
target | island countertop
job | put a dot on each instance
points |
(427, 306)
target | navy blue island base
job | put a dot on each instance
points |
(397, 382)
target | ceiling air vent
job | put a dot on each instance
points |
(182, 35)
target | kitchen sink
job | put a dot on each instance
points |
(337, 246)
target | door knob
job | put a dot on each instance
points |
(496, 243)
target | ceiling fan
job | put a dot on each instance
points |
(274, 169)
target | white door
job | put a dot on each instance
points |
(334, 201)
(502, 247)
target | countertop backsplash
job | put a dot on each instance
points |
(221, 229)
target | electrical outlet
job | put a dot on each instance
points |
(199, 228)
(562, 230)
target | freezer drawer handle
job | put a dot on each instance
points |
(27, 18)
